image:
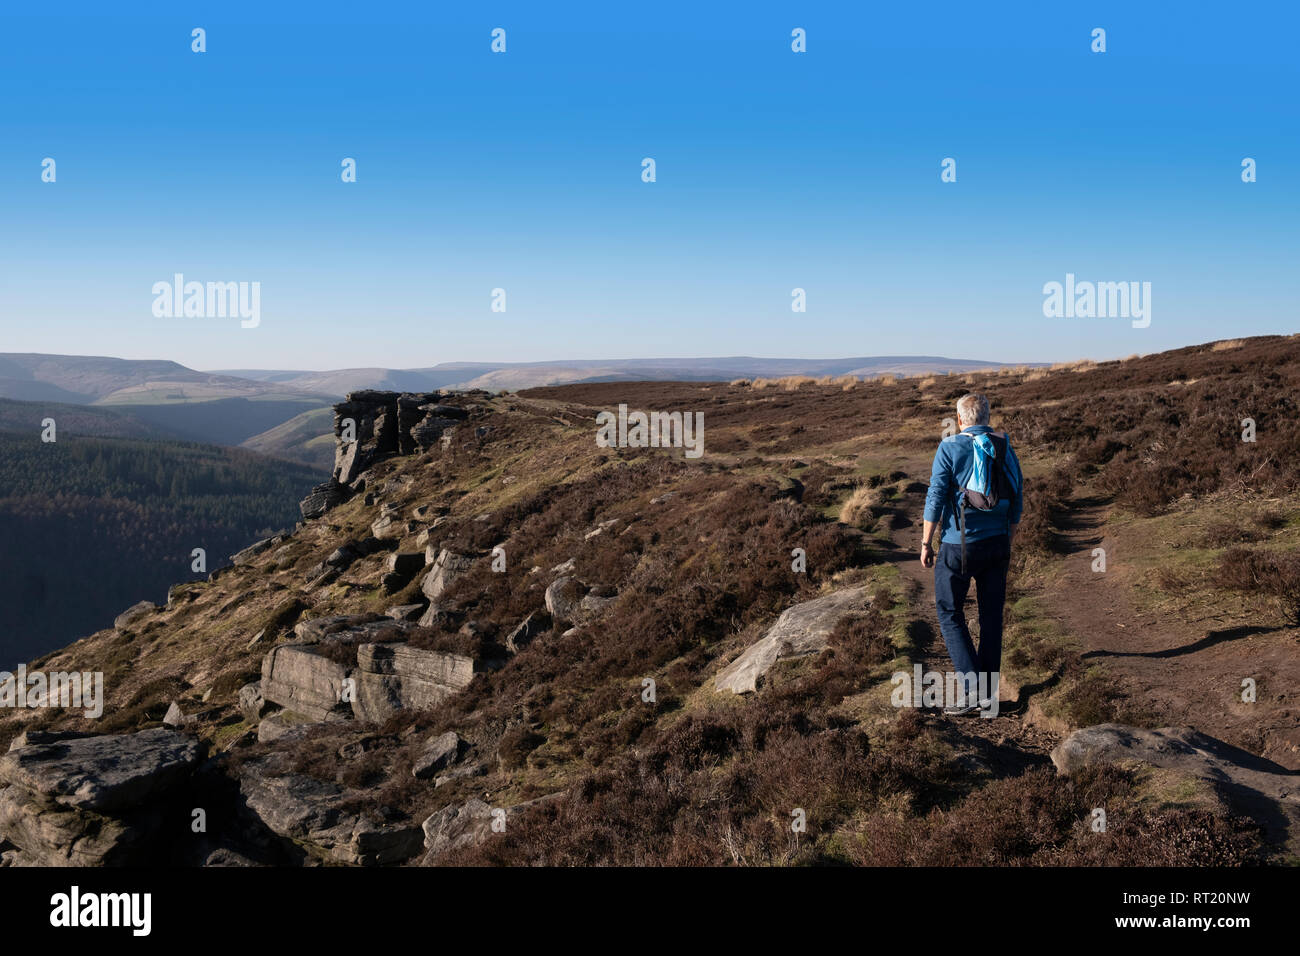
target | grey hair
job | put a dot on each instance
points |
(973, 409)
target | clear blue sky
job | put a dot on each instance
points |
(523, 171)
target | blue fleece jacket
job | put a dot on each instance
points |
(953, 463)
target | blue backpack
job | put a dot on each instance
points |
(989, 484)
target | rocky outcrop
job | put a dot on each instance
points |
(300, 678)
(1250, 785)
(370, 426)
(392, 677)
(324, 817)
(799, 631)
(386, 424)
(307, 679)
(103, 773)
(79, 800)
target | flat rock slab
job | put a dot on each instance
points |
(102, 774)
(1251, 785)
(800, 630)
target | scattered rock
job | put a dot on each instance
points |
(447, 567)
(175, 717)
(281, 724)
(341, 558)
(600, 529)
(470, 824)
(405, 563)
(1250, 785)
(251, 702)
(440, 753)
(319, 815)
(386, 526)
(457, 773)
(569, 601)
(322, 498)
(320, 573)
(253, 550)
(405, 612)
(800, 630)
(133, 614)
(527, 631)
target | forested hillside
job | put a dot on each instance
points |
(93, 525)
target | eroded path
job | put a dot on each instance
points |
(1171, 671)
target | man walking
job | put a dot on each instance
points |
(976, 496)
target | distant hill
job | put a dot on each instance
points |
(516, 375)
(534, 374)
(274, 411)
(339, 382)
(226, 421)
(92, 379)
(307, 438)
(152, 399)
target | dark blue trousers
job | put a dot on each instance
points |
(986, 565)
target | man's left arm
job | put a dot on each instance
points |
(1017, 502)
